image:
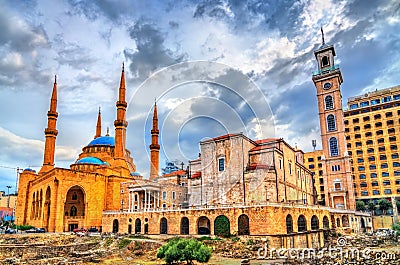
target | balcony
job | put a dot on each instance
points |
(326, 70)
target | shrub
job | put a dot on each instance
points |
(182, 249)
(24, 227)
(360, 206)
(123, 243)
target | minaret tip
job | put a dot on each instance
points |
(55, 79)
(108, 131)
(123, 66)
(99, 110)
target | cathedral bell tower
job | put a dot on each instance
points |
(339, 190)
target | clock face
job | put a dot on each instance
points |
(327, 85)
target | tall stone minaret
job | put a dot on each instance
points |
(98, 126)
(339, 190)
(154, 146)
(120, 123)
(50, 132)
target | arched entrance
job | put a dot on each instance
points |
(138, 226)
(74, 208)
(314, 223)
(185, 226)
(289, 224)
(243, 225)
(222, 226)
(362, 224)
(163, 226)
(203, 226)
(146, 228)
(46, 217)
(129, 229)
(115, 226)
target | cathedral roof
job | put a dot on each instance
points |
(103, 140)
(90, 160)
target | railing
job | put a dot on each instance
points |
(326, 70)
(337, 190)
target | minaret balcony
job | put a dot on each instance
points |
(122, 123)
(48, 131)
(121, 104)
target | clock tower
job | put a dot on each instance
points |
(338, 188)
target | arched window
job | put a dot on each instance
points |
(325, 61)
(301, 224)
(243, 225)
(289, 224)
(328, 102)
(314, 223)
(74, 196)
(163, 226)
(325, 222)
(333, 146)
(331, 122)
(73, 211)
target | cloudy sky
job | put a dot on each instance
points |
(213, 66)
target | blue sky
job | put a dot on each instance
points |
(271, 42)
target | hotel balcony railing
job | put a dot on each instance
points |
(326, 70)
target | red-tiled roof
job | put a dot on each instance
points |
(224, 136)
(268, 140)
(196, 175)
(175, 173)
(260, 147)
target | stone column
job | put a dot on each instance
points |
(145, 200)
(395, 211)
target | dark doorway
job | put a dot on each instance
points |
(243, 225)
(185, 226)
(115, 226)
(163, 226)
(203, 226)
(138, 226)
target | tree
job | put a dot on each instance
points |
(398, 205)
(360, 206)
(182, 249)
(371, 206)
(384, 205)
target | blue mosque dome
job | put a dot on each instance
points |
(103, 140)
(29, 169)
(135, 174)
(90, 160)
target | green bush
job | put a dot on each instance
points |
(360, 206)
(183, 249)
(396, 228)
(123, 243)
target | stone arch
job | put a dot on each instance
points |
(74, 208)
(40, 204)
(138, 226)
(222, 226)
(345, 221)
(163, 226)
(325, 222)
(243, 225)
(314, 223)
(185, 226)
(289, 224)
(203, 226)
(301, 224)
(115, 226)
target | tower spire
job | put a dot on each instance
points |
(323, 37)
(154, 146)
(50, 132)
(120, 123)
(98, 126)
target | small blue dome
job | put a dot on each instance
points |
(135, 174)
(103, 140)
(90, 160)
(29, 169)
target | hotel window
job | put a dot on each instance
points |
(363, 184)
(389, 114)
(356, 120)
(396, 164)
(395, 97)
(384, 165)
(381, 140)
(311, 166)
(357, 136)
(374, 184)
(397, 182)
(395, 155)
(348, 145)
(333, 146)
(377, 116)
(385, 174)
(368, 134)
(362, 176)
(221, 164)
(380, 132)
(370, 150)
(393, 147)
(367, 126)
(378, 124)
(375, 101)
(373, 175)
(381, 148)
(371, 158)
(331, 123)
(310, 159)
(364, 193)
(364, 104)
(382, 157)
(348, 137)
(360, 160)
(361, 168)
(354, 106)
(389, 122)
(391, 130)
(372, 167)
(359, 152)
(392, 139)
(346, 122)
(358, 144)
(375, 192)
(369, 142)
(388, 191)
(328, 102)
(397, 173)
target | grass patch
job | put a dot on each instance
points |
(123, 243)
